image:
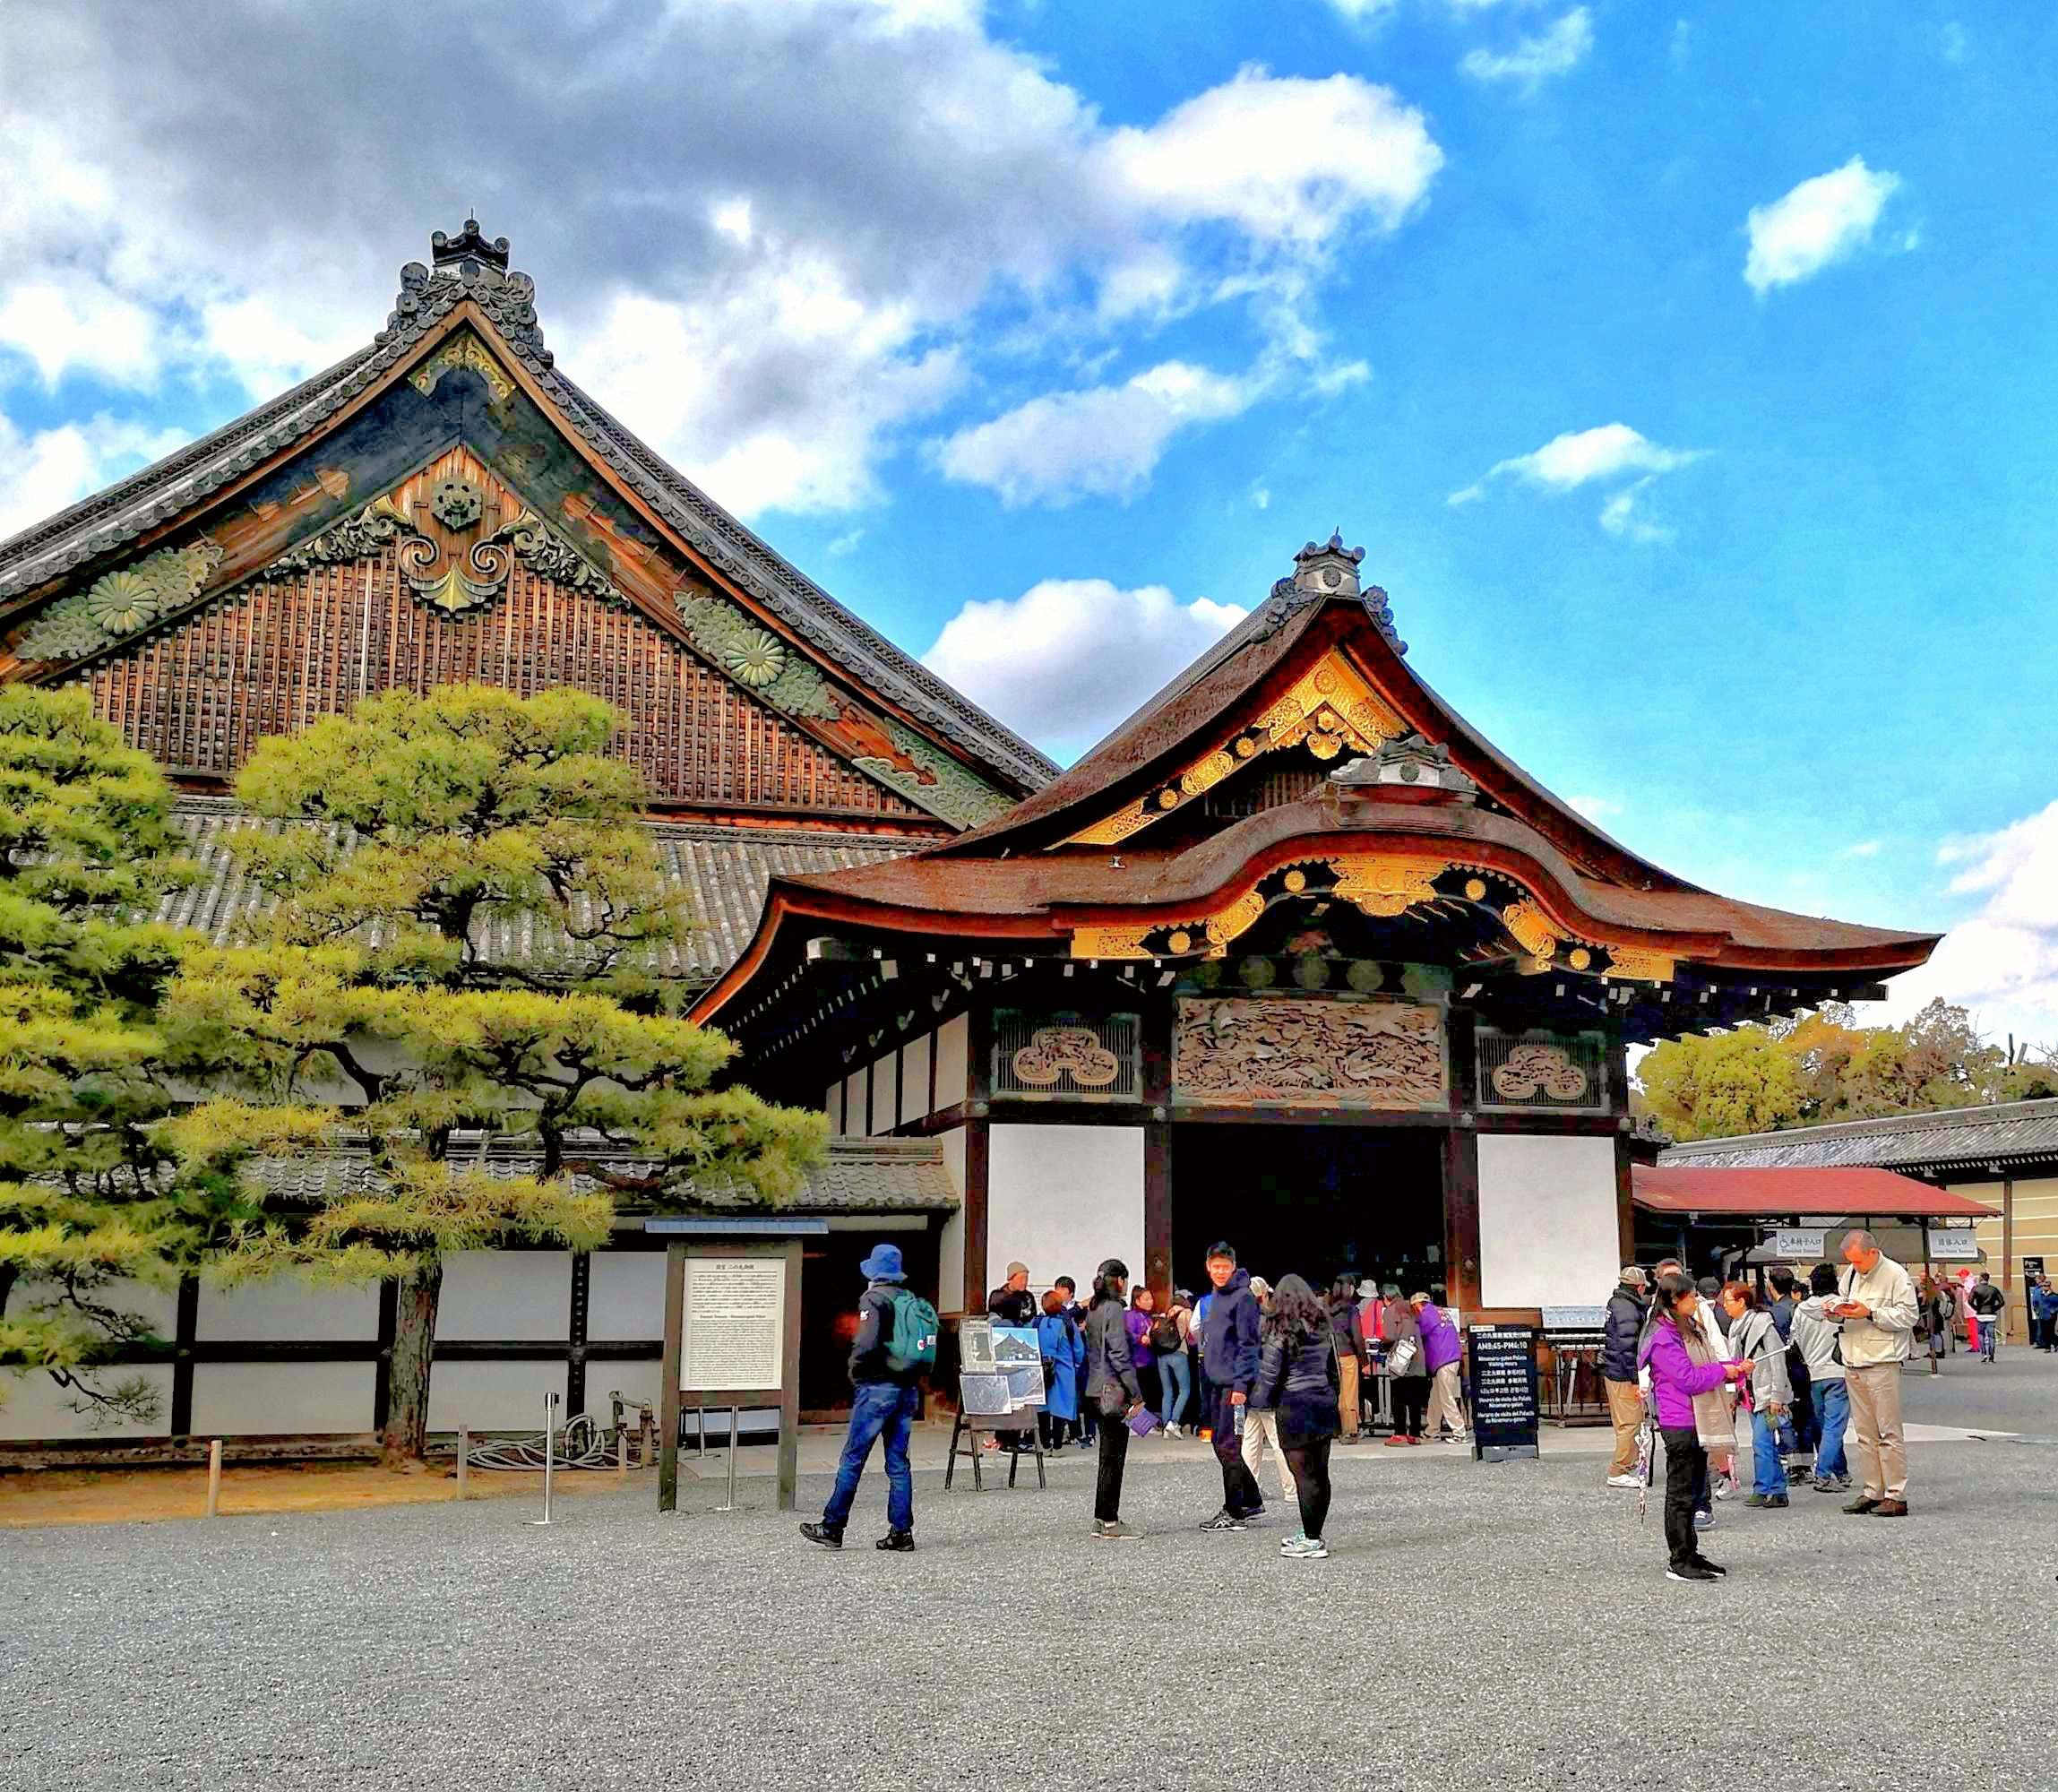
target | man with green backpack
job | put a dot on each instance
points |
(895, 1347)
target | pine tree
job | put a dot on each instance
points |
(88, 1199)
(424, 834)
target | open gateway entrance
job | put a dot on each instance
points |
(1310, 1200)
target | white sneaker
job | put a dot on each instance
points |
(1722, 1486)
(1624, 1481)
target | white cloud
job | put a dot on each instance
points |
(1863, 850)
(1821, 221)
(1556, 50)
(775, 237)
(2002, 961)
(1584, 457)
(45, 471)
(1063, 663)
(1596, 808)
(1103, 441)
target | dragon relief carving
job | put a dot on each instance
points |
(1310, 1053)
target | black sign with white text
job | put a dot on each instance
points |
(1504, 1408)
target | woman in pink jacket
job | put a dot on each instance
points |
(1681, 1372)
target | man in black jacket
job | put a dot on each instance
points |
(1623, 1327)
(884, 1402)
(1229, 1362)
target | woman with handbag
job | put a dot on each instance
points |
(1408, 1378)
(1298, 1381)
(1170, 1334)
(1689, 1386)
(1111, 1385)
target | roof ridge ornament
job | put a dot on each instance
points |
(468, 266)
(1328, 569)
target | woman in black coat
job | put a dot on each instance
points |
(1113, 1391)
(1297, 1378)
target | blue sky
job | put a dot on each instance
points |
(1044, 334)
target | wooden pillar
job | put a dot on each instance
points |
(790, 1384)
(1461, 1217)
(1625, 1207)
(1158, 1208)
(576, 1335)
(2007, 1251)
(977, 1157)
(668, 1379)
(187, 1330)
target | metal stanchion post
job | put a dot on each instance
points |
(549, 1407)
(730, 1506)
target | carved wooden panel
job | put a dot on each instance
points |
(1310, 1053)
(275, 656)
(1568, 1072)
(1067, 1056)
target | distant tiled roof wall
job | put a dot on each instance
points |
(1974, 1137)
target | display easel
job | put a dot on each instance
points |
(981, 1369)
(970, 1426)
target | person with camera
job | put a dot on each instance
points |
(1688, 1381)
(1876, 1307)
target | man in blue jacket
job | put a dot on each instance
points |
(1229, 1363)
(883, 1404)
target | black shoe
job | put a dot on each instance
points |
(1777, 1502)
(1715, 1568)
(896, 1540)
(1225, 1520)
(1252, 1514)
(1863, 1505)
(1690, 1571)
(828, 1537)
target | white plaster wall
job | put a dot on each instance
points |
(832, 1105)
(953, 1060)
(245, 1400)
(489, 1295)
(914, 1079)
(951, 1269)
(34, 1406)
(637, 1381)
(1060, 1198)
(854, 1104)
(883, 1095)
(495, 1396)
(1547, 1230)
(625, 1299)
(288, 1308)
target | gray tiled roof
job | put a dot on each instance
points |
(1967, 1138)
(157, 494)
(860, 1176)
(725, 870)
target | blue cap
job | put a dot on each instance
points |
(883, 1265)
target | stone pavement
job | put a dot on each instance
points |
(1478, 1625)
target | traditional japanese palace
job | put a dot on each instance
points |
(1295, 957)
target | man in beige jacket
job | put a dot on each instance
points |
(1876, 1303)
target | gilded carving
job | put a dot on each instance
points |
(1225, 923)
(120, 603)
(1054, 1052)
(1310, 1053)
(1639, 965)
(463, 349)
(1530, 1070)
(1388, 885)
(1527, 927)
(1123, 939)
(1330, 707)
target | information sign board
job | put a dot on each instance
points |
(1504, 1402)
(735, 1337)
(1796, 1244)
(1953, 1245)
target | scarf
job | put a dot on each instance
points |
(1715, 1411)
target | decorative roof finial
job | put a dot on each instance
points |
(1328, 567)
(468, 245)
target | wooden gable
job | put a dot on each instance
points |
(447, 506)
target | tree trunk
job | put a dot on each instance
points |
(405, 1439)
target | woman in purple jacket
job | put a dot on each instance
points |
(1440, 1353)
(1676, 1378)
(1143, 1311)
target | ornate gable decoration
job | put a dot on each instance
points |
(1304, 1051)
(1331, 706)
(456, 533)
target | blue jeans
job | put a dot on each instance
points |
(1767, 1473)
(1989, 1335)
(879, 1408)
(1175, 1385)
(1833, 1408)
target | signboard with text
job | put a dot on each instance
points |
(735, 1324)
(1505, 1409)
(1953, 1245)
(1796, 1244)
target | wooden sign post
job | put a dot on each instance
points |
(732, 1332)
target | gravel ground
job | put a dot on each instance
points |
(1503, 1625)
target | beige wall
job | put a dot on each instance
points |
(2035, 1203)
